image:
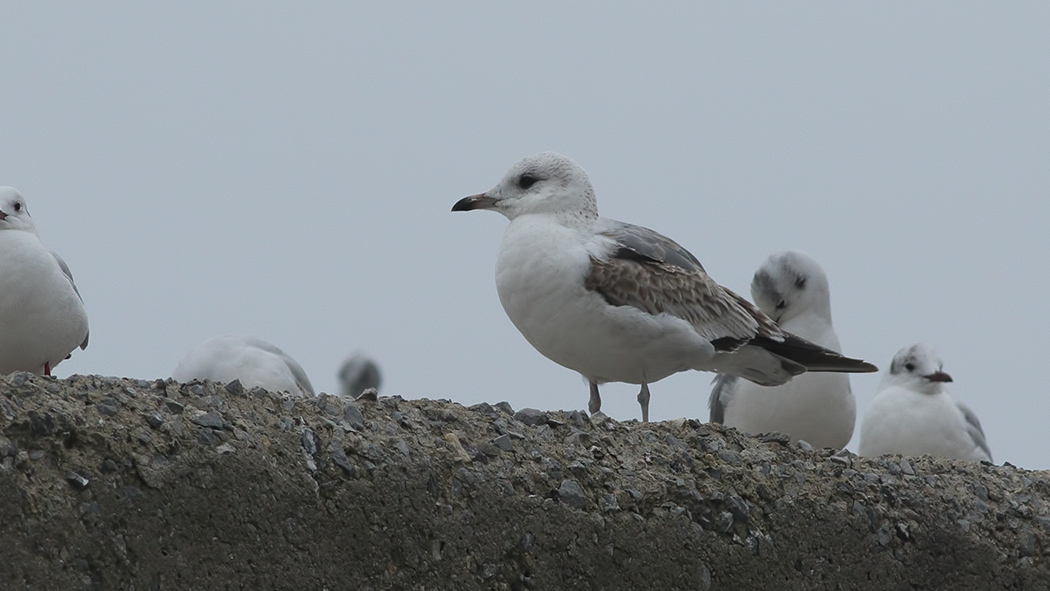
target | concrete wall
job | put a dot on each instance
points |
(126, 484)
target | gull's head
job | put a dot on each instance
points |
(918, 368)
(358, 374)
(546, 183)
(13, 212)
(790, 283)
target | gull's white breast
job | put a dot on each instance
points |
(902, 421)
(540, 273)
(41, 317)
(818, 407)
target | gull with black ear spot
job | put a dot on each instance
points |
(621, 303)
(42, 316)
(819, 408)
(913, 414)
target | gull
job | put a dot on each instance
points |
(358, 374)
(253, 361)
(42, 316)
(913, 414)
(621, 303)
(792, 289)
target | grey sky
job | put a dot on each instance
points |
(287, 172)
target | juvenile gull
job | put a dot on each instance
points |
(792, 289)
(253, 361)
(42, 317)
(913, 414)
(622, 303)
(358, 374)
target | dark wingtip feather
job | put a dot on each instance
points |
(812, 356)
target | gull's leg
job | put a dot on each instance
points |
(643, 401)
(47, 368)
(595, 403)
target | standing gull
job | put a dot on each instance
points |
(42, 317)
(622, 303)
(913, 414)
(253, 361)
(792, 289)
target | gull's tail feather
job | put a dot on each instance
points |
(757, 365)
(811, 356)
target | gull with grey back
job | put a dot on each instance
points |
(913, 414)
(255, 362)
(42, 316)
(792, 289)
(621, 303)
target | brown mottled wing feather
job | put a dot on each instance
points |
(653, 273)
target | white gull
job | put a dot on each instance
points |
(42, 317)
(253, 361)
(792, 289)
(913, 414)
(621, 303)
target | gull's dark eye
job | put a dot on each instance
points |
(526, 181)
(782, 304)
(800, 282)
(909, 366)
(18, 206)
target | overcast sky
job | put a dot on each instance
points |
(287, 172)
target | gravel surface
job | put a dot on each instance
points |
(110, 483)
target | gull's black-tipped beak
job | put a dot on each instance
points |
(938, 376)
(479, 201)
(3, 216)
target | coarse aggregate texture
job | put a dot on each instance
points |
(110, 483)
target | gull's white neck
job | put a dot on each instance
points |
(577, 218)
(815, 326)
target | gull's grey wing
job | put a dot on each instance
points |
(973, 427)
(652, 246)
(723, 388)
(293, 365)
(653, 273)
(69, 275)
